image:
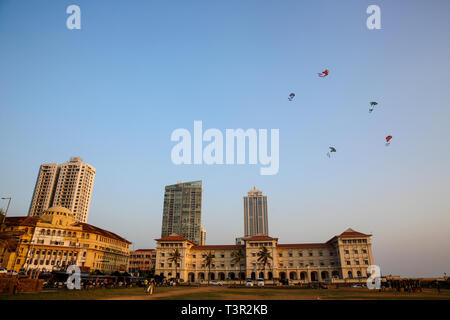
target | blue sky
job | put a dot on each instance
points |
(113, 92)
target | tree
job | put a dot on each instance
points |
(175, 258)
(264, 257)
(208, 262)
(237, 256)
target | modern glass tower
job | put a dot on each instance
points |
(255, 214)
(182, 213)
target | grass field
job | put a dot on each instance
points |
(224, 293)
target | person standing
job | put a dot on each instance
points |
(146, 284)
(152, 286)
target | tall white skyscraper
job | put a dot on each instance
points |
(255, 214)
(68, 185)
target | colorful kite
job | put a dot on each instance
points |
(291, 96)
(372, 105)
(324, 73)
(388, 138)
(332, 149)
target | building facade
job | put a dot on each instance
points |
(182, 212)
(255, 214)
(142, 260)
(55, 240)
(345, 256)
(68, 185)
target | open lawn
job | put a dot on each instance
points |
(224, 293)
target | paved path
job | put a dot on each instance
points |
(165, 294)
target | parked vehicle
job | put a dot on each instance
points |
(12, 272)
(215, 283)
(249, 283)
(260, 282)
(3, 270)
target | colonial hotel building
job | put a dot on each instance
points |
(56, 240)
(345, 256)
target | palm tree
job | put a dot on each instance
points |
(237, 256)
(208, 261)
(175, 258)
(264, 257)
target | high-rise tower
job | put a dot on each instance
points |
(182, 211)
(255, 214)
(68, 185)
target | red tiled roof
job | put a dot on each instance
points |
(31, 222)
(259, 237)
(302, 245)
(351, 232)
(219, 246)
(22, 220)
(173, 237)
(93, 229)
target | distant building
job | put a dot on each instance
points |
(203, 232)
(55, 240)
(142, 260)
(255, 214)
(344, 257)
(68, 185)
(182, 210)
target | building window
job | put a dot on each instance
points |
(348, 263)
